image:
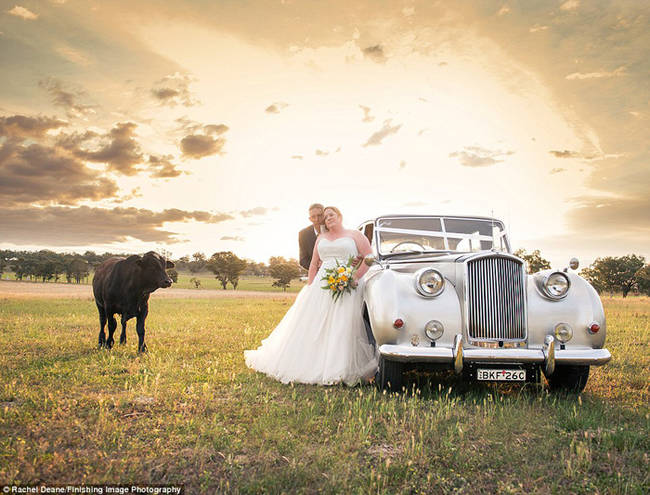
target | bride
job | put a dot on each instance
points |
(321, 340)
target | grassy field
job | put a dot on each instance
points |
(190, 412)
(260, 284)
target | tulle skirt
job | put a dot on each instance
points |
(318, 341)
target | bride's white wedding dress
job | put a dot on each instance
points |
(320, 340)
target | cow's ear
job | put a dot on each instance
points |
(170, 264)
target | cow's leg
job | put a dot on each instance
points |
(112, 325)
(123, 334)
(102, 325)
(142, 347)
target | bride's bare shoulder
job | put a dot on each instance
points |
(355, 234)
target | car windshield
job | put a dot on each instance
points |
(431, 234)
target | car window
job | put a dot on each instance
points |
(402, 234)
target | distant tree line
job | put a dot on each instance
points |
(45, 266)
(623, 274)
(615, 275)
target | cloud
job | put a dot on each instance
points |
(22, 12)
(475, 156)
(199, 146)
(258, 210)
(536, 28)
(408, 11)
(215, 129)
(565, 154)
(583, 156)
(161, 167)
(620, 71)
(23, 126)
(174, 90)
(119, 151)
(570, 5)
(366, 114)
(276, 107)
(72, 54)
(63, 226)
(36, 173)
(503, 10)
(375, 53)
(67, 99)
(232, 238)
(379, 136)
(600, 215)
(557, 170)
(208, 143)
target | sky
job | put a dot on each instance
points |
(213, 125)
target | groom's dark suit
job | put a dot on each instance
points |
(306, 241)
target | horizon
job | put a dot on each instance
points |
(205, 127)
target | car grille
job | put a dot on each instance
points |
(496, 309)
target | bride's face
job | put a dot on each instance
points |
(331, 219)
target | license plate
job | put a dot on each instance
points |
(501, 375)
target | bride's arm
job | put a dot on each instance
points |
(363, 246)
(315, 262)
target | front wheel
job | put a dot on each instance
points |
(569, 378)
(389, 374)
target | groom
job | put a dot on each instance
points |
(307, 236)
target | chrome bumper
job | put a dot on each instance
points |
(549, 355)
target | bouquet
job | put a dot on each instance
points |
(339, 279)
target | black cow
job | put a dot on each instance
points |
(123, 285)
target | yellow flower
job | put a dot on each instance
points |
(332, 286)
(340, 269)
(331, 280)
(344, 278)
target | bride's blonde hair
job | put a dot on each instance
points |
(335, 210)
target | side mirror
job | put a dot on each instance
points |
(574, 263)
(369, 260)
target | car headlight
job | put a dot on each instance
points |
(556, 285)
(434, 329)
(563, 332)
(429, 282)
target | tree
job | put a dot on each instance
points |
(183, 263)
(256, 269)
(76, 268)
(534, 261)
(284, 273)
(227, 267)
(614, 274)
(198, 262)
(196, 282)
(643, 279)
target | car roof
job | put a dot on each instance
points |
(401, 215)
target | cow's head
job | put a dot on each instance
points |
(153, 268)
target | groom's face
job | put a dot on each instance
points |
(316, 217)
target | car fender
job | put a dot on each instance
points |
(580, 308)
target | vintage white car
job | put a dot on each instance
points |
(446, 292)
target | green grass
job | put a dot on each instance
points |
(262, 284)
(191, 412)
